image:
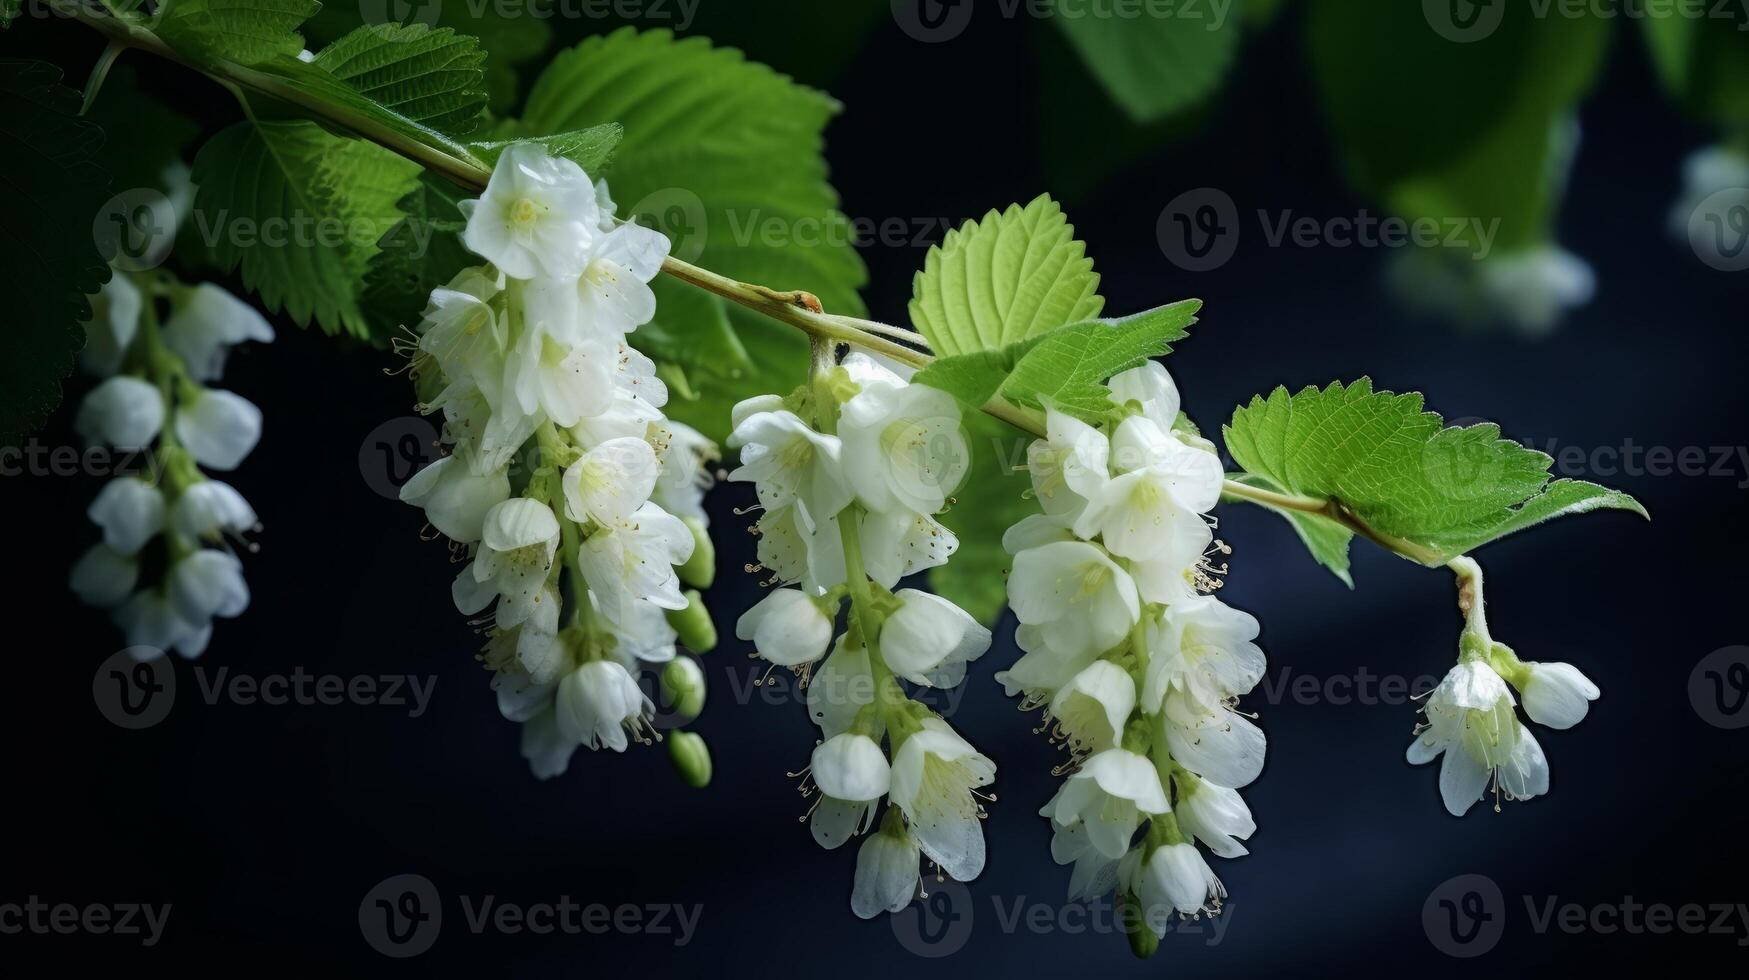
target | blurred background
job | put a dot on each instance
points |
(265, 827)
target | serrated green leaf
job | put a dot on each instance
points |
(1395, 467)
(330, 198)
(591, 148)
(973, 378)
(1154, 65)
(717, 150)
(1324, 538)
(434, 77)
(1067, 368)
(991, 500)
(54, 189)
(247, 32)
(1011, 276)
(420, 253)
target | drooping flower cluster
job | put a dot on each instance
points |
(1137, 668)
(166, 566)
(1471, 718)
(851, 471)
(573, 544)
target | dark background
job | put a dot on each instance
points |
(265, 826)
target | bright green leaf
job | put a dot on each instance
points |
(1067, 368)
(590, 148)
(1013, 275)
(434, 77)
(1152, 65)
(247, 32)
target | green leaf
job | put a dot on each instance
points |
(1398, 469)
(1323, 537)
(725, 157)
(247, 32)
(1011, 276)
(1445, 130)
(706, 344)
(1704, 63)
(420, 253)
(9, 9)
(301, 210)
(1067, 368)
(142, 137)
(1153, 66)
(590, 148)
(976, 377)
(992, 499)
(54, 190)
(433, 77)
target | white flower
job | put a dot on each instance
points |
(1177, 573)
(519, 696)
(1068, 466)
(929, 640)
(518, 540)
(130, 513)
(455, 499)
(219, 428)
(464, 333)
(609, 483)
(788, 461)
(903, 446)
(840, 688)
(539, 651)
(1142, 513)
(787, 628)
(1043, 669)
(1556, 695)
(1534, 288)
(1034, 530)
(627, 565)
(686, 471)
(115, 319)
(552, 370)
(104, 577)
(150, 620)
(537, 217)
(934, 774)
(851, 767)
(1094, 875)
(208, 322)
(832, 822)
(643, 634)
(1151, 387)
(211, 509)
(1175, 876)
(1092, 709)
(1110, 795)
(208, 583)
(1470, 719)
(1216, 743)
(1079, 597)
(545, 746)
(613, 293)
(1215, 815)
(886, 873)
(124, 412)
(1706, 172)
(599, 703)
(1202, 646)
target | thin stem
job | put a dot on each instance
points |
(796, 308)
(99, 73)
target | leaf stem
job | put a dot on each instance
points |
(1335, 510)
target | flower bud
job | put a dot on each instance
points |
(691, 758)
(701, 569)
(683, 687)
(697, 631)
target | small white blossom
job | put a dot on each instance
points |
(518, 541)
(211, 509)
(1081, 600)
(851, 767)
(124, 412)
(1174, 877)
(206, 324)
(130, 512)
(104, 577)
(886, 873)
(929, 640)
(208, 583)
(455, 499)
(787, 628)
(599, 704)
(1110, 795)
(1557, 695)
(1470, 719)
(537, 217)
(1202, 647)
(219, 428)
(934, 774)
(115, 319)
(1215, 815)
(1091, 710)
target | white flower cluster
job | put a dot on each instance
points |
(1470, 716)
(849, 509)
(170, 527)
(1138, 670)
(574, 545)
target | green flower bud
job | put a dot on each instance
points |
(683, 686)
(694, 624)
(701, 569)
(1133, 919)
(691, 758)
